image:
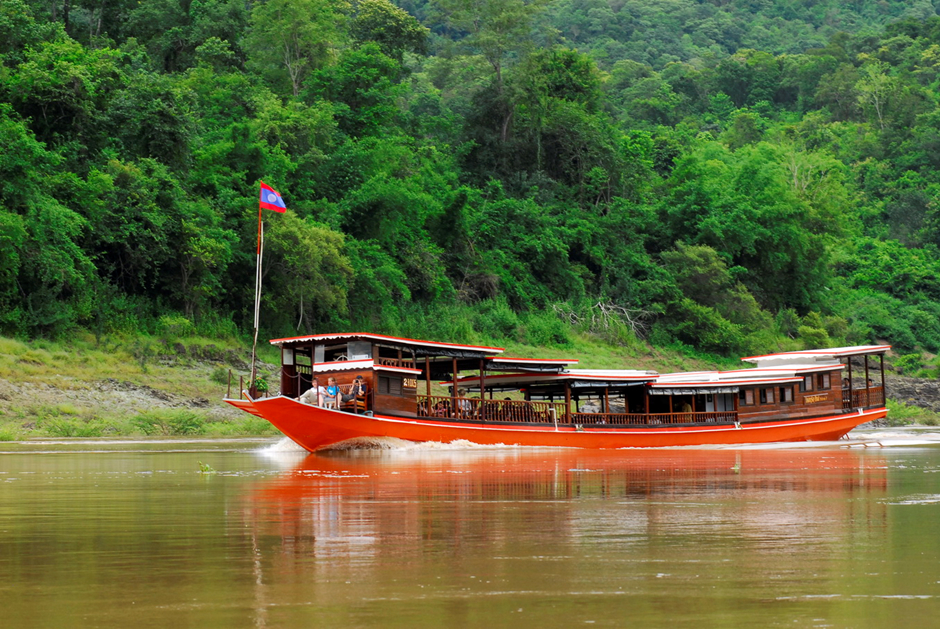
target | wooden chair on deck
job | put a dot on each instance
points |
(355, 404)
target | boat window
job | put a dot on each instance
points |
(746, 397)
(766, 396)
(823, 381)
(786, 394)
(807, 384)
(389, 385)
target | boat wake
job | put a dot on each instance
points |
(878, 438)
(391, 443)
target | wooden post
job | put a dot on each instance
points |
(483, 380)
(851, 394)
(453, 389)
(228, 392)
(607, 399)
(567, 401)
(884, 392)
(427, 378)
(867, 381)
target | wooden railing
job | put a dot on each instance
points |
(652, 419)
(517, 411)
(863, 398)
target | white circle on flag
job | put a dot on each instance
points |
(272, 197)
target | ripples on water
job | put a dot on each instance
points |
(385, 533)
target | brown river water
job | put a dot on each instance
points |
(145, 534)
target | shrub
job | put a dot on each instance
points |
(901, 414)
(219, 375)
(702, 327)
(814, 338)
(73, 428)
(170, 422)
(175, 326)
(544, 329)
(496, 320)
(908, 363)
(9, 433)
(788, 322)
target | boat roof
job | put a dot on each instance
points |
(510, 381)
(393, 341)
(815, 356)
(505, 363)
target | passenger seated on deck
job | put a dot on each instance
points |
(357, 390)
(309, 397)
(332, 397)
(463, 404)
(312, 395)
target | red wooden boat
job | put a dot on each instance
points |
(811, 395)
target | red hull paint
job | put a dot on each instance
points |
(313, 427)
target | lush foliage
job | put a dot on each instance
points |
(733, 177)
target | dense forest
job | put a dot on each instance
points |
(729, 175)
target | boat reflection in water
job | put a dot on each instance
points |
(548, 524)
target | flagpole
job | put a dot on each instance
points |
(254, 343)
(271, 201)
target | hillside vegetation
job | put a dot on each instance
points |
(718, 177)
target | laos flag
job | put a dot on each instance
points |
(270, 199)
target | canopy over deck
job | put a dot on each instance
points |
(416, 346)
(575, 378)
(816, 356)
(505, 363)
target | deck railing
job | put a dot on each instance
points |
(514, 411)
(863, 398)
(652, 419)
(518, 411)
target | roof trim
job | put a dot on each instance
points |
(350, 336)
(405, 370)
(711, 384)
(551, 361)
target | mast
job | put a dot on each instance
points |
(254, 344)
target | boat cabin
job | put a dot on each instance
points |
(476, 384)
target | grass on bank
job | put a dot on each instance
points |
(176, 385)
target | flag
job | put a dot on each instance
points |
(270, 199)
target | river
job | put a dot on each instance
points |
(251, 533)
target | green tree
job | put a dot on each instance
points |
(288, 39)
(306, 274)
(393, 29)
(46, 276)
(62, 88)
(363, 86)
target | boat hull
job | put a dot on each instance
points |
(314, 428)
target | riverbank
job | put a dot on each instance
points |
(122, 387)
(90, 387)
